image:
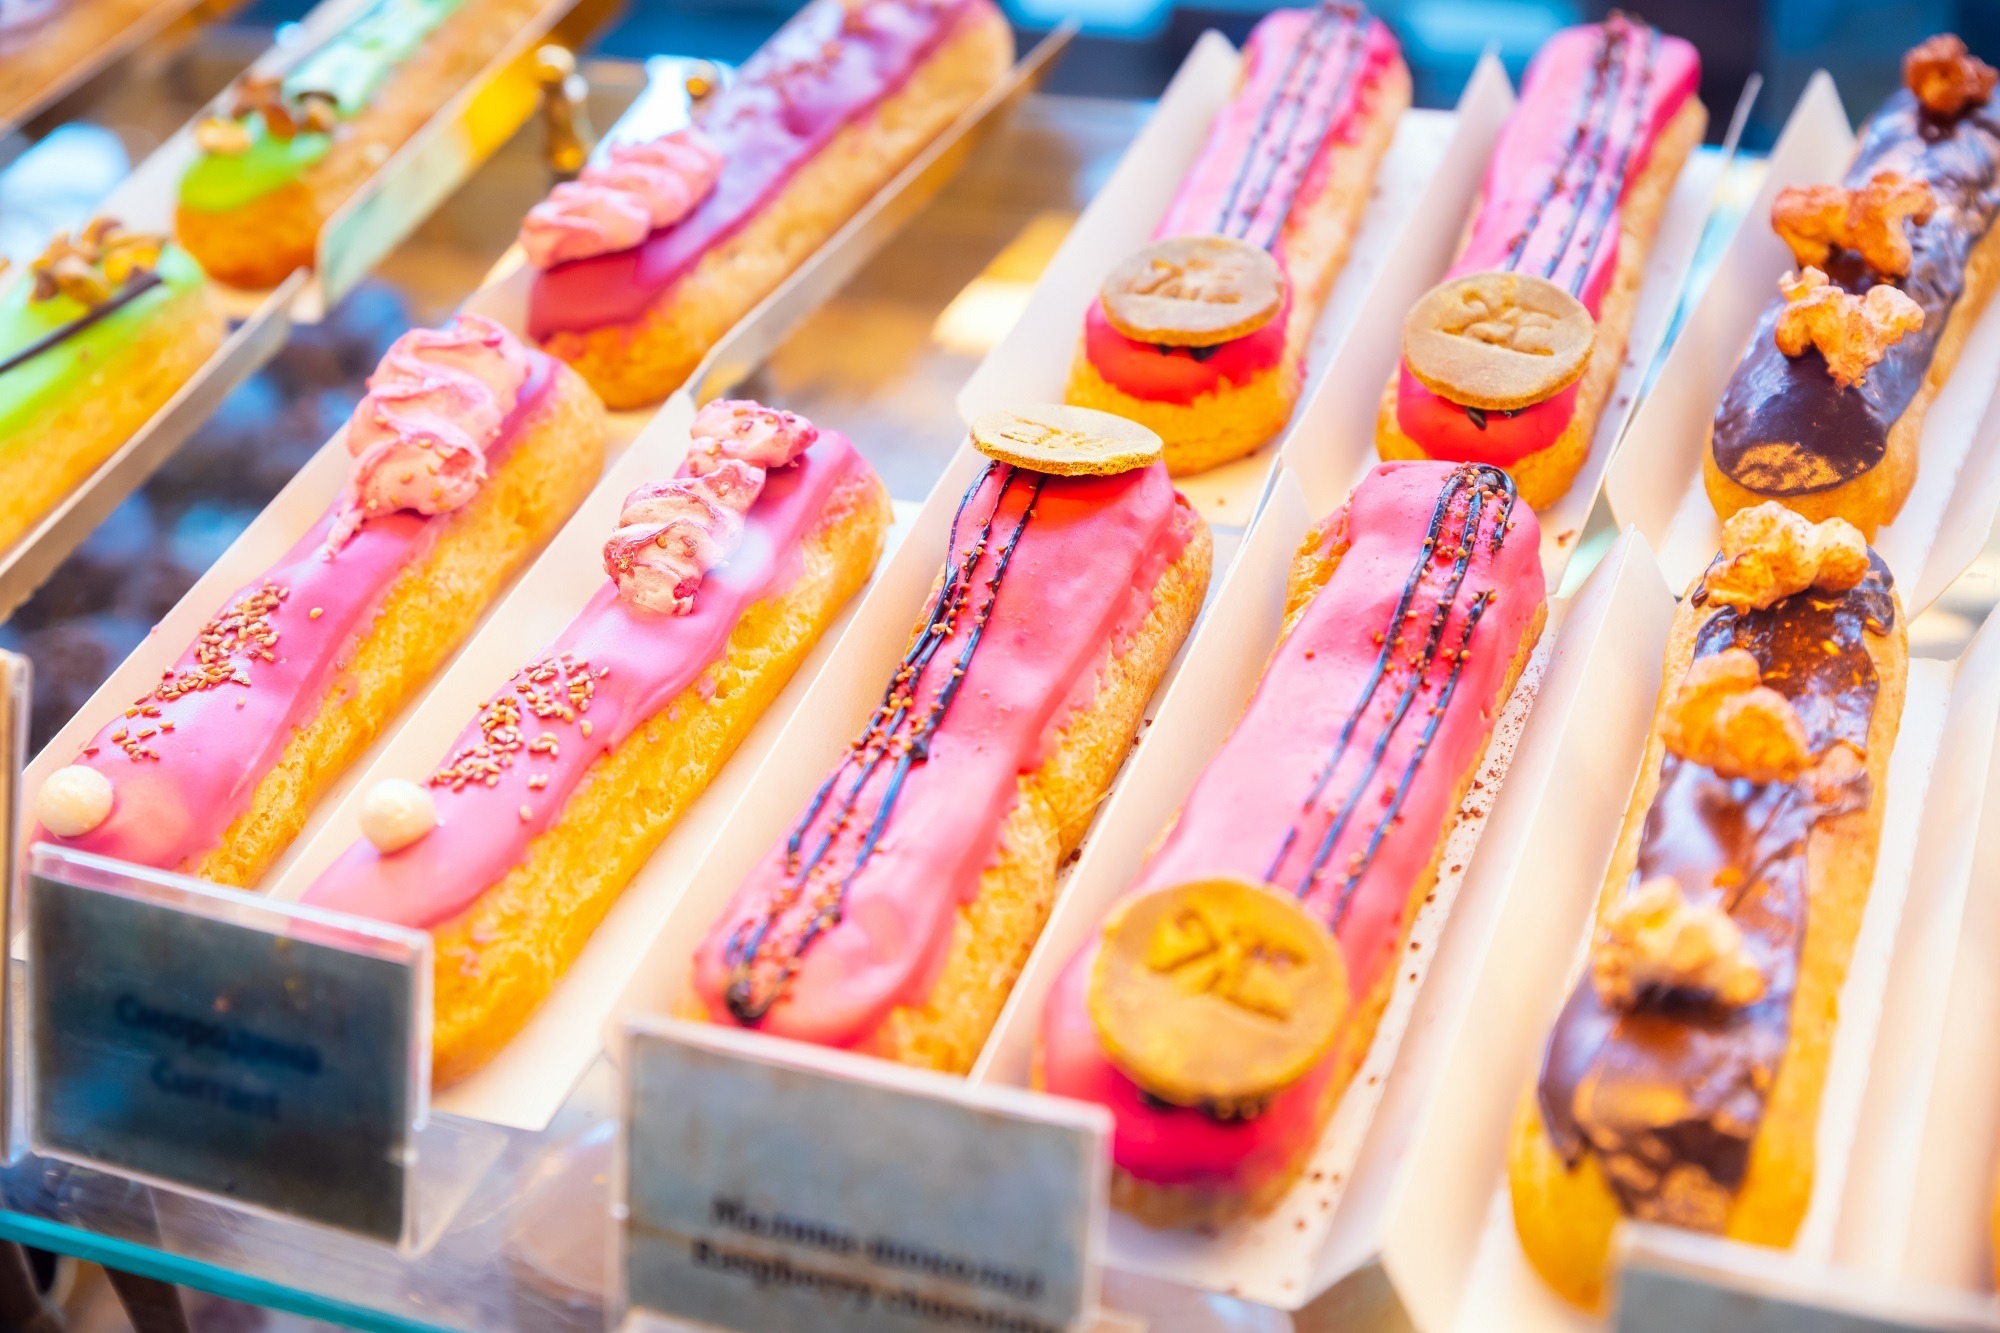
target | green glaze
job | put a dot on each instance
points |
(351, 68)
(30, 386)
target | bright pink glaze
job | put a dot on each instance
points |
(825, 68)
(1554, 163)
(1243, 180)
(1253, 791)
(615, 202)
(1079, 584)
(419, 436)
(632, 664)
(195, 759)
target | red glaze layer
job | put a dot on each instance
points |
(828, 66)
(1271, 82)
(1078, 585)
(1549, 168)
(1251, 794)
(209, 748)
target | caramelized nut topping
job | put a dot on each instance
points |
(1769, 553)
(93, 264)
(1815, 220)
(1946, 77)
(1653, 939)
(1724, 718)
(1852, 332)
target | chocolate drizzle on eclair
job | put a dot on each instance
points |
(1785, 427)
(1475, 496)
(899, 733)
(1669, 1092)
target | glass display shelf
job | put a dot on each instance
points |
(526, 1247)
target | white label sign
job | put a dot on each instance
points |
(769, 1186)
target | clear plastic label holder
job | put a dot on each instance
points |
(263, 1055)
(763, 1185)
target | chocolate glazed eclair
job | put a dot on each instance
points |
(1682, 1080)
(1896, 264)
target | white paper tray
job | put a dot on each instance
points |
(1492, 1287)
(1655, 482)
(1425, 185)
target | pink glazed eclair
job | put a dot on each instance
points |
(1287, 168)
(897, 914)
(721, 580)
(1410, 614)
(659, 248)
(469, 452)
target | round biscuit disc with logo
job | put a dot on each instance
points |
(1498, 341)
(1193, 291)
(1217, 993)
(1065, 441)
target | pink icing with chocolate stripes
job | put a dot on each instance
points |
(1042, 602)
(1263, 807)
(1595, 100)
(611, 670)
(185, 760)
(1309, 82)
(827, 67)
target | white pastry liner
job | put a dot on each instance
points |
(1506, 1034)
(1655, 482)
(1426, 183)
(1920, 1207)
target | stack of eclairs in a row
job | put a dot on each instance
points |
(1230, 994)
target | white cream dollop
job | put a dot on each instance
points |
(73, 801)
(395, 813)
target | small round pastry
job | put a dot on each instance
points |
(1498, 341)
(1065, 441)
(1193, 291)
(73, 801)
(395, 813)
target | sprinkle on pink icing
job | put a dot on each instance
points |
(613, 668)
(1254, 789)
(277, 646)
(830, 65)
(434, 408)
(749, 432)
(616, 202)
(1079, 581)
(1276, 92)
(1546, 169)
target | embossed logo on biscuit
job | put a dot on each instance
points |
(1065, 441)
(1217, 993)
(1193, 291)
(1498, 341)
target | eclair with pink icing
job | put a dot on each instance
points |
(1275, 196)
(1570, 205)
(720, 579)
(895, 916)
(658, 249)
(1225, 1005)
(468, 452)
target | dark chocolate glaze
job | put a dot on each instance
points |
(1669, 1095)
(1784, 427)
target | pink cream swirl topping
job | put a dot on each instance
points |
(673, 532)
(618, 202)
(434, 407)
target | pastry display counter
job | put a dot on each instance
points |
(959, 292)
